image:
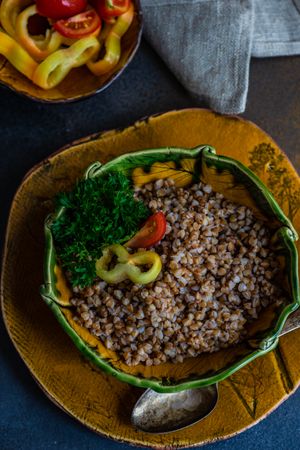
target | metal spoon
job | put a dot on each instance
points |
(164, 413)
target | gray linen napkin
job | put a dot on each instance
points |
(207, 44)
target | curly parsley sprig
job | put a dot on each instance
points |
(98, 212)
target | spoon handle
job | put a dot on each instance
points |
(292, 323)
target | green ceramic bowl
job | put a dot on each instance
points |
(237, 183)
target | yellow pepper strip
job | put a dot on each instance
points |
(113, 44)
(105, 30)
(127, 265)
(9, 11)
(55, 67)
(40, 48)
(17, 56)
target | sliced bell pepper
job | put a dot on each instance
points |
(55, 67)
(113, 44)
(127, 266)
(17, 56)
(38, 48)
(9, 11)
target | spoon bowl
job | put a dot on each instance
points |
(164, 413)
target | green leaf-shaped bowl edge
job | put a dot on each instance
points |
(286, 236)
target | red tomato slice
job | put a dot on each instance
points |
(151, 233)
(110, 8)
(80, 25)
(60, 9)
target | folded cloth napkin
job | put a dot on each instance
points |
(207, 44)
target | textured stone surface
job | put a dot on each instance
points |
(31, 131)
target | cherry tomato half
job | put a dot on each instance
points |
(110, 8)
(151, 233)
(79, 26)
(60, 9)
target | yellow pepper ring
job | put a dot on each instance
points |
(127, 265)
(113, 44)
(56, 66)
(9, 11)
(17, 56)
(39, 49)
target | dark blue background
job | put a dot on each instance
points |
(31, 131)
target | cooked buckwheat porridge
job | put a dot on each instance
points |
(218, 273)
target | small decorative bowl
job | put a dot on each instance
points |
(80, 83)
(237, 183)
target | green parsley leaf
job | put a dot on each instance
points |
(98, 212)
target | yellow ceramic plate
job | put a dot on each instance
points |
(102, 403)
